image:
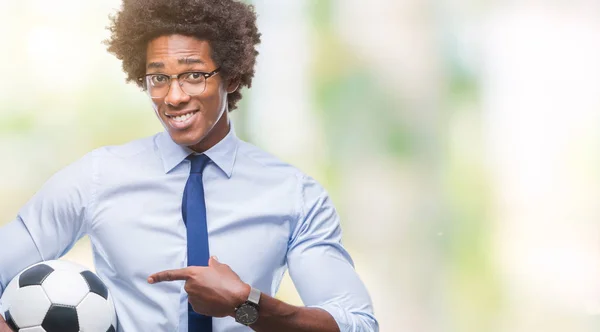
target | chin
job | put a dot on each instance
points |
(186, 139)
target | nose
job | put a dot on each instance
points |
(176, 96)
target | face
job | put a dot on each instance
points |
(198, 121)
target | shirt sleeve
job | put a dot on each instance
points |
(50, 223)
(321, 268)
(18, 252)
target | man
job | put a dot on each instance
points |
(192, 229)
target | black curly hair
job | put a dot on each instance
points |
(228, 25)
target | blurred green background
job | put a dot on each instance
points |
(459, 140)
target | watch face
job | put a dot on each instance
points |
(246, 314)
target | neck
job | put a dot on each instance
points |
(216, 134)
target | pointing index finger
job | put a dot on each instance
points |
(169, 275)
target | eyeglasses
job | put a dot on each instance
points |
(193, 83)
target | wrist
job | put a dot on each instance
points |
(240, 296)
(247, 312)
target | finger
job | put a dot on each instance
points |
(170, 275)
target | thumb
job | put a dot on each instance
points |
(213, 261)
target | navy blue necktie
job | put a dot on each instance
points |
(194, 217)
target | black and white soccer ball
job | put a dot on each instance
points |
(58, 296)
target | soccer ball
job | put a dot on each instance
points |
(58, 296)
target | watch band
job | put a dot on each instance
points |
(254, 296)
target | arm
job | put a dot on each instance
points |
(323, 272)
(56, 215)
(49, 224)
(322, 269)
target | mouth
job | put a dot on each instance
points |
(181, 120)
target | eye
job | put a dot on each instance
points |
(158, 80)
(194, 77)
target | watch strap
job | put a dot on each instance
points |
(254, 296)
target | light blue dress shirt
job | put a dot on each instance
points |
(264, 216)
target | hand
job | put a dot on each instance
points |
(3, 326)
(213, 290)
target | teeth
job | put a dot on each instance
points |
(183, 117)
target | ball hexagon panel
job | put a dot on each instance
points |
(29, 307)
(61, 319)
(35, 275)
(94, 313)
(65, 287)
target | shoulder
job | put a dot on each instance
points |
(253, 157)
(137, 154)
(129, 149)
(111, 162)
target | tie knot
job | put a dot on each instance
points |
(198, 162)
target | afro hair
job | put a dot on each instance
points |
(228, 25)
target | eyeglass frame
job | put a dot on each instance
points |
(142, 80)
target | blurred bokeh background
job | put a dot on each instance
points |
(459, 139)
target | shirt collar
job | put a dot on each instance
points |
(222, 154)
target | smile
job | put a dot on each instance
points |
(181, 121)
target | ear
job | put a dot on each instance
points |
(233, 85)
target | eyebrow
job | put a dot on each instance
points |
(189, 61)
(182, 61)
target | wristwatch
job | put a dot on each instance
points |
(247, 312)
